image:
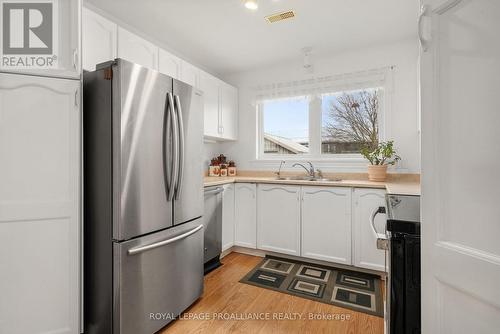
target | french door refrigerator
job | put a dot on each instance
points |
(143, 198)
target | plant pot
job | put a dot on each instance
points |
(377, 173)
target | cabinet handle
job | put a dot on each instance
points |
(75, 59)
(76, 97)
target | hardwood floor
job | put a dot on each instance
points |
(225, 296)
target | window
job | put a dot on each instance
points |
(349, 121)
(339, 123)
(286, 126)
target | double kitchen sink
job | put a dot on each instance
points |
(313, 174)
(307, 178)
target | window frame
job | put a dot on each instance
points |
(315, 129)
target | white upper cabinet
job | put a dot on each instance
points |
(64, 45)
(245, 209)
(136, 49)
(190, 74)
(103, 40)
(228, 217)
(228, 127)
(169, 64)
(326, 224)
(210, 87)
(221, 108)
(39, 204)
(278, 221)
(366, 254)
(98, 39)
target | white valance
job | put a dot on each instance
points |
(380, 77)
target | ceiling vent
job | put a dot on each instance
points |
(280, 16)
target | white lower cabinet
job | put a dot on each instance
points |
(245, 206)
(326, 224)
(366, 254)
(278, 222)
(40, 129)
(228, 217)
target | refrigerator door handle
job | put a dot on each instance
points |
(172, 126)
(167, 124)
(181, 155)
(141, 249)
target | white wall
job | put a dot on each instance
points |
(404, 111)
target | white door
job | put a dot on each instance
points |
(39, 204)
(136, 49)
(98, 39)
(65, 41)
(228, 217)
(169, 64)
(228, 112)
(245, 210)
(326, 224)
(210, 87)
(366, 254)
(278, 218)
(460, 72)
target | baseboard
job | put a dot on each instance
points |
(262, 253)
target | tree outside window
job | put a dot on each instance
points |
(350, 121)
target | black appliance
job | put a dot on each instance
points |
(403, 229)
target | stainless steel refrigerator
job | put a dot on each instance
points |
(143, 198)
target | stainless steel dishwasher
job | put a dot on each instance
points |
(212, 219)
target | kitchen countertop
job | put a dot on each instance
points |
(396, 184)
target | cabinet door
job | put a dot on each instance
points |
(60, 48)
(366, 254)
(98, 39)
(40, 131)
(169, 64)
(210, 87)
(136, 49)
(228, 217)
(278, 223)
(190, 74)
(228, 125)
(326, 224)
(245, 211)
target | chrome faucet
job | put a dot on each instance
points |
(278, 173)
(310, 170)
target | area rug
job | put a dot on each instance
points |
(350, 289)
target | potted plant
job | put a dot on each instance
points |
(380, 157)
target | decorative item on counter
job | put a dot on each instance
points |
(223, 170)
(231, 169)
(222, 159)
(380, 157)
(214, 169)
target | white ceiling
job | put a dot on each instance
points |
(224, 37)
